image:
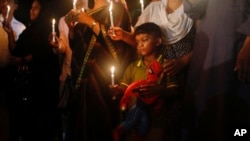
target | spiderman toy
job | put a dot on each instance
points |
(137, 116)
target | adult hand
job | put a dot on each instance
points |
(149, 89)
(53, 42)
(116, 33)
(71, 18)
(116, 90)
(172, 67)
(16, 60)
(7, 27)
(243, 61)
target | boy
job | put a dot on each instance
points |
(149, 40)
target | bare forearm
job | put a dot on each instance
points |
(129, 38)
(186, 59)
(12, 42)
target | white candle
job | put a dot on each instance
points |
(74, 4)
(8, 11)
(53, 29)
(142, 5)
(113, 75)
(111, 14)
(113, 79)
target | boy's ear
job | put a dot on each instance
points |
(159, 41)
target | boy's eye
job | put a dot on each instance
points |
(143, 40)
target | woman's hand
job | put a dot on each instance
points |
(149, 89)
(116, 90)
(16, 60)
(116, 33)
(172, 67)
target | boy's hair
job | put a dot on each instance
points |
(149, 28)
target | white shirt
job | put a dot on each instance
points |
(17, 27)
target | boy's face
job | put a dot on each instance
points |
(146, 44)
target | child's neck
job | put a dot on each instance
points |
(147, 60)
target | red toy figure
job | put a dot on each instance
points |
(137, 114)
(153, 73)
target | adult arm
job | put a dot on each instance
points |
(117, 33)
(174, 66)
(243, 57)
(243, 61)
(195, 9)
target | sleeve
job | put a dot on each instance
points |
(121, 17)
(245, 26)
(126, 79)
(196, 9)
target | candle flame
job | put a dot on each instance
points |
(53, 21)
(112, 70)
(141, 1)
(8, 7)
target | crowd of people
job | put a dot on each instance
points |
(181, 66)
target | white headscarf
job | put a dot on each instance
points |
(175, 26)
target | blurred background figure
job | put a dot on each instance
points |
(219, 73)
(34, 94)
(10, 29)
(93, 113)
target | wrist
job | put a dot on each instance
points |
(93, 25)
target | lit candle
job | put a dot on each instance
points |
(111, 14)
(113, 79)
(74, 4)
(8, 11)
(53, 29)
(142, 5)
(112, 75)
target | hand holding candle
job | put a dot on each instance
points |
(53, 30)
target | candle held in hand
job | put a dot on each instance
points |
(53, 30)
(8, 12)
(113, 79)
(113, 75)
(74, 4)
(142, 5)
(111, 14)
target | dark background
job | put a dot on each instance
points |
(59, 8)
